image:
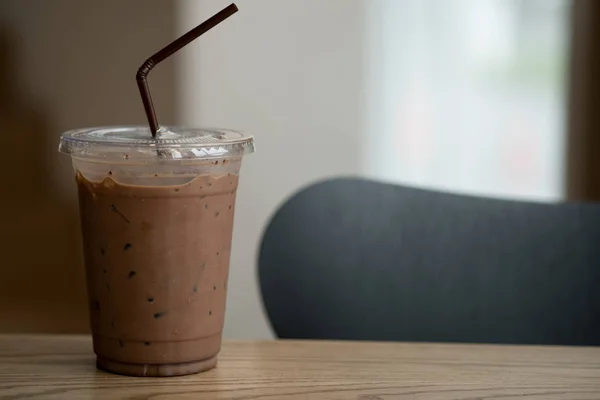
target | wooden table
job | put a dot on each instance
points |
(62, 367)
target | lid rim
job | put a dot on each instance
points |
(136, 142)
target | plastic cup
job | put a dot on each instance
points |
(157, 221)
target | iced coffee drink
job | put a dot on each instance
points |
(157, 221)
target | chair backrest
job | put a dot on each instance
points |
(356, 259)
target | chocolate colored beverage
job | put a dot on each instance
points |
(157, 222)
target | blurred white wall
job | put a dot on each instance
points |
(469, 95)
(291, 72)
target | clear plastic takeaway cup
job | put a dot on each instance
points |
(157, 220)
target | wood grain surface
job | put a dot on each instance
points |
(62, 367)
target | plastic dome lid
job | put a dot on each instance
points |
(172, 143)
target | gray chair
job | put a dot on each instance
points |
(356, 259)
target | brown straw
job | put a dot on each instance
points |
(166, 52)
